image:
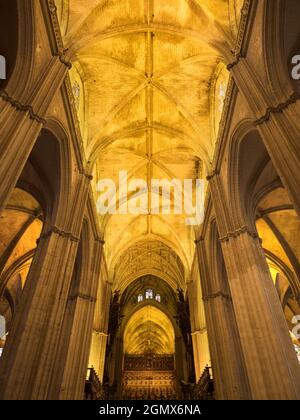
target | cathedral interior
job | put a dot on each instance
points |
(142, 305)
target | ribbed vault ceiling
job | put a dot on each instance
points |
(148, 257)
(149, 330)
(142, 74)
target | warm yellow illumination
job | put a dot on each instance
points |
(149, 330)
(144, 72)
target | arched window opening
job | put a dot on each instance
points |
(149, 294)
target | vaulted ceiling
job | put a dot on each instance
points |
(149, 330)
(144, 77)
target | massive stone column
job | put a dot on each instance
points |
(20, 124)
(72, 359)
(226, 355)
(31, 349)
(272, 367)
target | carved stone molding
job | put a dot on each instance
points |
(212, 175)
(216, 295)
(100, 333)
(61, 54)
(59, 232)
(23, 108)
(83, 297)
(56, 28)
(238, 233)
(57, 33)
(278, 109)
(235, 61)
(63, 59)
(199, 332)
(237, 55)
(87, 175)
(243, 26)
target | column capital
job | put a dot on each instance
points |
(199, 240)
(216, 295)
(199, 332)
(100, 333)
(22, 108)
(214, 173)
(55, 230)
(277, 109)
(236, 59)
(237, 54)
(82, 296)
(238, 232)
(87, 175)
(63, 59)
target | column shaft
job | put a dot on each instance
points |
(224, 343)
(79, 321)
(30, 353)
(272, 368)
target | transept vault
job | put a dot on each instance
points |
(99, 99)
